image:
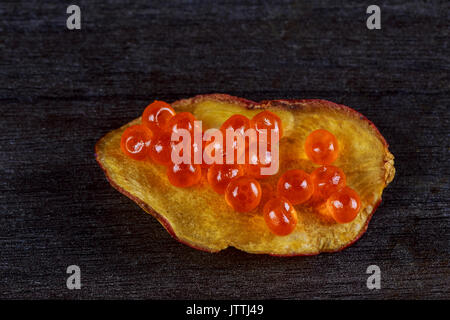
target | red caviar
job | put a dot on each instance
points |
(135, 141)
(238, 181)
(321, 147)
(160, 150)
(344, 205)
(280, 216)
(255, 163)
(184, 175)
(268, 121)
(157, 115)
(236, 122)
(327, 180)
(243, 194)
(182, 120)
(239, 124)
(296, 186)
(220, 175)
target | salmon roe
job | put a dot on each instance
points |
(255, 163)
(327, 180)
(184, 175)
(321, 147)
(160, 150)
(157, 115)
(238, 122)
(267, 120)
(243, 194)
(280, 216)
(344, 205)
(220, 175)
(182, 120)
(135, 141)
(296, 186)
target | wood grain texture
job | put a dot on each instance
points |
(61, 90)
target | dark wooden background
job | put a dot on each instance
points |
(61, 90)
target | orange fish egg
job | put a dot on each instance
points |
(327, 180)
(160, 150)
(243, 194)
(157, 115)
(321, 147)
(296, 186)
(268, 121)
(344, 205)
(220, 175)
(280, 216)
(135, 141)
(254, 164)
(184, 175)
(237, 122)
(182, 120)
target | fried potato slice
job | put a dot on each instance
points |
(200, 218)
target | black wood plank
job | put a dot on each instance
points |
(61, 90)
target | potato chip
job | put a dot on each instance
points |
(200, 218)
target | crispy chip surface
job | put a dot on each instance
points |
(200, 218)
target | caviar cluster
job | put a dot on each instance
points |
(152, 140)
(326, 183)
(239, 183)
